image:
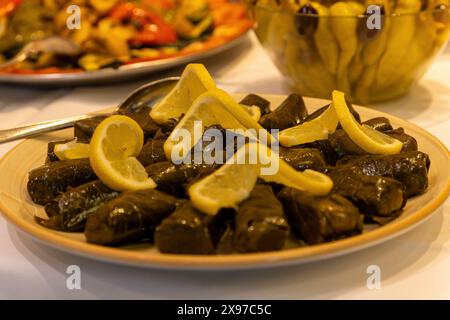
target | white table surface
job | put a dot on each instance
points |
(415, 265)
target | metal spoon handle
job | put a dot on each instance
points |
(40, 127)
(147, 95)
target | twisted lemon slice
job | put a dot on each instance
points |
(114, 146)
(365, 137)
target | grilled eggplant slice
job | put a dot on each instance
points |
(410, 168)
(303, 158)
(260, 223)
(290, 113)
(255, 100)
(48, 181)
(320, 219)
(380, 199)
(70, 210)
(133, 216)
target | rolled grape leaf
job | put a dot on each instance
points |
(380, 199)
(84, 129)
(174, 179)
(291, 112)
(303, 158)
(152, 152)
(48, 181)
(320, 219)
(70, 210)
(142, 116)
(379, 123)
(319, 111)
(186, 231)
(260, 223)
(409, 142)
(51, 156)
(343, 144)
(255, 100)
(133, 216)
(410, 168)
(326, 149)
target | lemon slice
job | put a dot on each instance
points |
(211, 108)
(253, 111)
(233, 182)
(310, 131)
(116, 142)
(71, 150)
(194, 81)
(365, 137)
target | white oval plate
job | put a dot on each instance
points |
(17, 207)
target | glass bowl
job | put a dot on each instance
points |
(371, 58)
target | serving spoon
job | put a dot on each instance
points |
(54, 44)
(146, 95)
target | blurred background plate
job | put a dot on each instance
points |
(110, 75)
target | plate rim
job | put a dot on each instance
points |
(235, 261)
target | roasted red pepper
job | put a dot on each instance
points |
(153, 30)
(8, 6)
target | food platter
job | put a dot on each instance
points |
(122, 73)
(17, 207)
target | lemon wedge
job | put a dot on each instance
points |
(116, 142)
(71, 150)
(233, 182)
(365, 137)
(310, 131)
(194, 81)
(211, 108)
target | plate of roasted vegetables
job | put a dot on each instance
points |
(111, 40)
(128, 188)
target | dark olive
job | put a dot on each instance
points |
(305, 21)
(364, 32)
(424, 5)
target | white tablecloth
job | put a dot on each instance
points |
(415, 265)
